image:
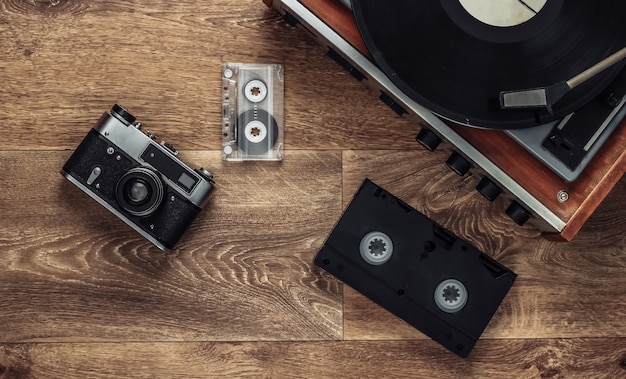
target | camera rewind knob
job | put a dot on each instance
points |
(122, 115)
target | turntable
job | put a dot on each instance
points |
(444, 66)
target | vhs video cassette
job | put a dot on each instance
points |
(252, 112)
(415, 268)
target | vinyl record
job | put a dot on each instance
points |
(442, 57)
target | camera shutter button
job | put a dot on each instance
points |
(95, 173)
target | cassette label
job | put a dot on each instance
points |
(415, 268)
(252, 112)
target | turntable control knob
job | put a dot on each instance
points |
(458, 164)
(488, 189)
(518, 213)
(428, 139)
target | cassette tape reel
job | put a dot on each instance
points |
(415, 268)
(252, 112)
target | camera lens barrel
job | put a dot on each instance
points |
(140, 191)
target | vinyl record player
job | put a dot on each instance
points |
(437, 64)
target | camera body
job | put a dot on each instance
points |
(140, 181)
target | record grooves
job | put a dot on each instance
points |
(446, 60)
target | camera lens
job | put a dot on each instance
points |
(140, 191)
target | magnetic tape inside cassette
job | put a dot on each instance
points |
(252, 112)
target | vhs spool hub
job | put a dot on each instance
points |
(451, 296)
(376, 248)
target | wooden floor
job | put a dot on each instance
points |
(84, 296)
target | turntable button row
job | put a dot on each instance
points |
(430, 141)
(486, 187)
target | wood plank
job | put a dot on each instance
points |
(563, 290)
(244, 271)
(64, 65)
(563, 358)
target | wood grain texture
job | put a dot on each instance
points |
(584, 280)
(65, 64)
(575, 358)
(243, 271)
(83, 295)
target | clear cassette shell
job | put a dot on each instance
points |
(252, 111)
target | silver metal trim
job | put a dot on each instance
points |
(544, 218)
(134, 142)
(120, 215)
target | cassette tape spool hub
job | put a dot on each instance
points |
(252, 112)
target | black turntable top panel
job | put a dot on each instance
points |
(455, 65)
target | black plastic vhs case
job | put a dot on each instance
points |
(416, 269)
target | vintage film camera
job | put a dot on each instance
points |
(141, 182)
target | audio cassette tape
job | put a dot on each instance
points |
(252, 112)
(415, 268)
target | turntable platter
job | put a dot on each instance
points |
(447, 60)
